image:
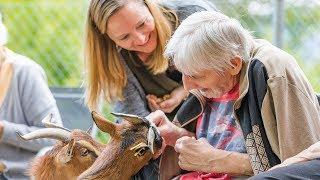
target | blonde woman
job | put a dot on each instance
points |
(125, 40)
(25, 100)
(124, 61)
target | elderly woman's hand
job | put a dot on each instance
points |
(306, 155)
(168, 131)
(199, 155)
(195, 155)
(167, 103)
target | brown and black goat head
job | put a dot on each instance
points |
(133, 143)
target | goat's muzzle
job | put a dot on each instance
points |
(154, 138)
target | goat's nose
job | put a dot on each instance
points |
(157, 139)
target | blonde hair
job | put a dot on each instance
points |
(106, 75)
(208, 40)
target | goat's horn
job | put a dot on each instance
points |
(52, 133)
(103, 124)
(46, 121)
(133, 119)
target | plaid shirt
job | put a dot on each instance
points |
(218, 124)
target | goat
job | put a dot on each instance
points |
(132, 145)
(74, 153)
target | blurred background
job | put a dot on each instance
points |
(51, 32)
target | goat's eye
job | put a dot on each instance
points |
(141, 151)
(84, 152)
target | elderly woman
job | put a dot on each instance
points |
(25, 100)
(243, 87)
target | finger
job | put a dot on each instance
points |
(184, 164)
(156, 117)
(155, 104)
(151, 106)
(185, 139)
(151, 96)
(168, 103)
(180, 143)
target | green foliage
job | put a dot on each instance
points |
(49, 32)
(301, 25)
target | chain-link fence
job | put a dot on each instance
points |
(51, 32)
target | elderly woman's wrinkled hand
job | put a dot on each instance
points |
(194, 155)
(168, 131)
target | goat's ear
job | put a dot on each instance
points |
(103, 124)
(133, 119)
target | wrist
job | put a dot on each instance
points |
(183, 132)
(233, 163)
(177, 133)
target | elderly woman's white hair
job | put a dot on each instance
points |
(3, 32)
(208, 40)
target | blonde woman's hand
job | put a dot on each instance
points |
(168, 102)
(173, 101)
(153, 102)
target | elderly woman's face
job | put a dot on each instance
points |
(132, 27)
(210, 83)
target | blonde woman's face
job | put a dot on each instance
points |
(132, 27)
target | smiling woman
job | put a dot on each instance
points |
(124, 60)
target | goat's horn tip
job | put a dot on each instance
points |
(93, 114)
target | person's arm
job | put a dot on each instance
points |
(36, 102)
(297, 116)
(199, 155)
(308, 154)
